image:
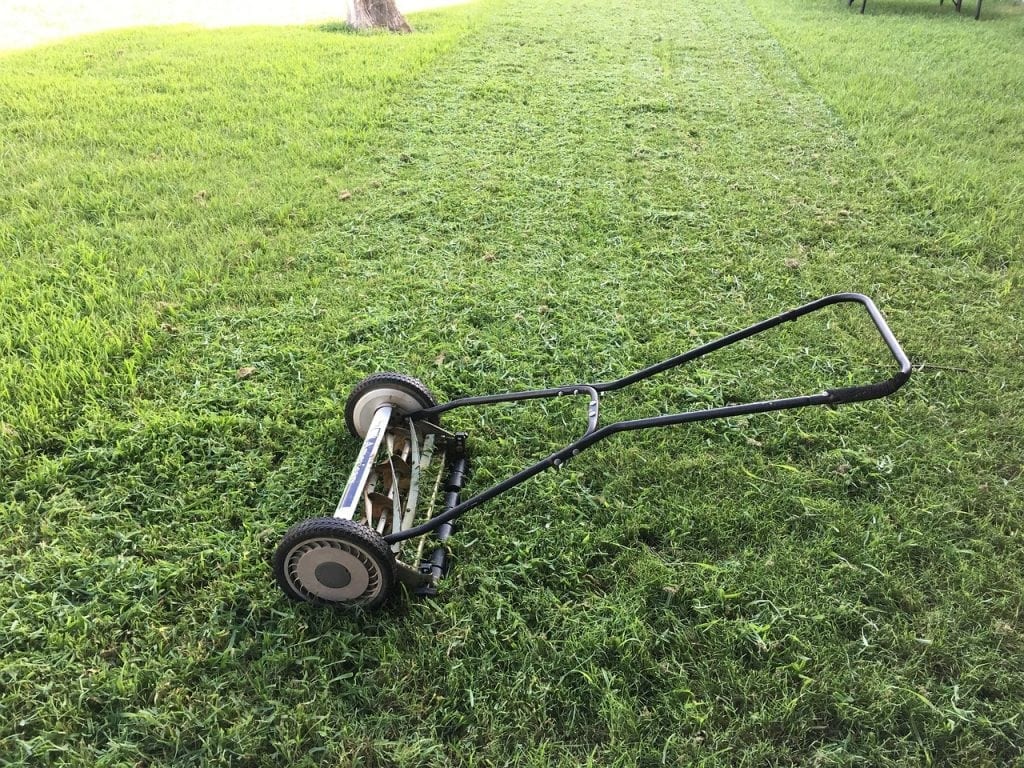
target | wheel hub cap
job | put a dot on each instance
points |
(334, 571)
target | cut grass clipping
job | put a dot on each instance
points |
(208, 237)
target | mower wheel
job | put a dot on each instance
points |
(332, 561)
(404, 393)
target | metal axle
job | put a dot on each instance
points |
(361, 471)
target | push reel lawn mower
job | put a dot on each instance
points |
(378, 535)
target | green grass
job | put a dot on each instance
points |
(519, 194)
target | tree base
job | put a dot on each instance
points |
(376, 14)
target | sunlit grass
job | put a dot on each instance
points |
(520, 194)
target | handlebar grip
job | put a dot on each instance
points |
(880, 388)
(867, 391)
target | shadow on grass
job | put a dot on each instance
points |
(338, 26)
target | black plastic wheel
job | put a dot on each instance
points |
(405, 393)
(330, 561)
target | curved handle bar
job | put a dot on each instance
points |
(882, 388)
(594, 434)
(841, 395)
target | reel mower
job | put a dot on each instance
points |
(404, 494)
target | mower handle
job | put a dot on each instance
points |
(836, 396)
(595, 433)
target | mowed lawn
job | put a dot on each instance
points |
(208, 237)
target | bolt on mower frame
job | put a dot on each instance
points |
(346, 562)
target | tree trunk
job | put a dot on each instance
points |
(376, 14)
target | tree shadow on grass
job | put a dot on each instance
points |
(342, 27)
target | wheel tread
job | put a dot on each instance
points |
(332, 527)
(386, 380)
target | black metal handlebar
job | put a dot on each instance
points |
(594, 391)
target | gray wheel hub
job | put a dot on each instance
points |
(333, 570)
(362, 414)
